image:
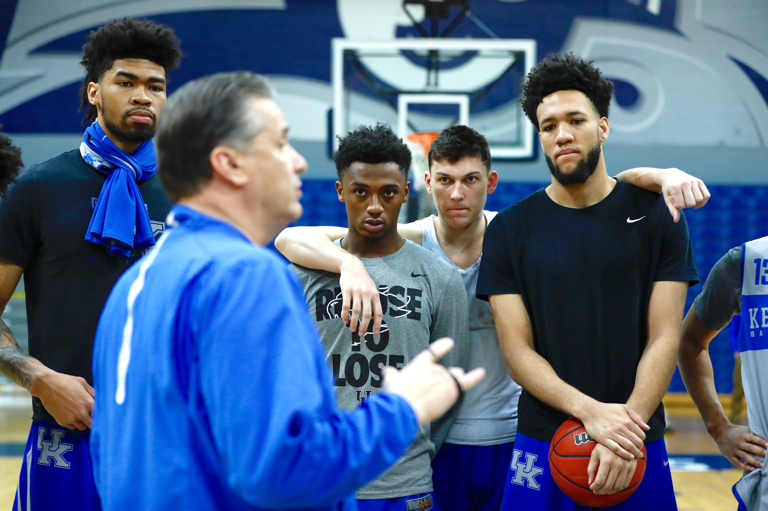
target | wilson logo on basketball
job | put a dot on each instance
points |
(582, 438)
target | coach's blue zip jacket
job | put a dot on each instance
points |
(212, 389)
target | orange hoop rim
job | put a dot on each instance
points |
(424, 139)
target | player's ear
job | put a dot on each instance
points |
(493, 180)
(604, 129)
(94, 94)
(340, 191)
(428, 180)
(407, 191)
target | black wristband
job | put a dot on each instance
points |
(458, 402)
(458, 386)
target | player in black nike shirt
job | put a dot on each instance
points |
(587, 280)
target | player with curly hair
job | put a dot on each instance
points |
(10, 163)
(587, 280)
(421, 297)
(125, 39)
(72, 226)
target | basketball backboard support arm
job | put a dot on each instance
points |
(495, 57)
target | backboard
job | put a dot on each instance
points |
(430, 84)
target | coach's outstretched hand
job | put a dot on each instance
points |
(428, 386)
(617, 427)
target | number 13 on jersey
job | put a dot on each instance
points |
(761, 272)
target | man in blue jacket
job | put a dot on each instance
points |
(212, 389)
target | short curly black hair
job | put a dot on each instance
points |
(565, 72)
(127, 38)
(371, 145)
(10, 163)
(457, 142)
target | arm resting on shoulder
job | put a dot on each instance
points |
(614, 425)
(680, 190)
(737, 443)
(313, 247)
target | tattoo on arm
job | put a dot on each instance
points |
(13, 361)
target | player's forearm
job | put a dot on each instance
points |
(699, 379)
(649, 178)
(657, 364)
(525, 365)
(312, 248)
(697, 373)
(654, 372)
(537, 376)
(16, 365)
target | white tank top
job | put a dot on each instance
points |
(488, 415)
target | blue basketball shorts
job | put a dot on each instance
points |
(470, 477)
(56, 471)
(418, 502)
(530, 484)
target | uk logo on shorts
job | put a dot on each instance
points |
(525, 473)
(53, 449)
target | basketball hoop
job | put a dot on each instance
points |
(419, 144)
(424, 139)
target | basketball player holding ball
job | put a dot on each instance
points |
(587, 281)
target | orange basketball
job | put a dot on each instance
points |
(569, 456)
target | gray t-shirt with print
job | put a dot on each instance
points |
(423, 299)
(720, 297)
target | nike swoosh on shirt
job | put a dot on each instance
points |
(630, 221)
(414, 275)
(666, 462)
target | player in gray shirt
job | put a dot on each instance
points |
(720, 300)
(421, 299)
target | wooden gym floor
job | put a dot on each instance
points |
(702, 477)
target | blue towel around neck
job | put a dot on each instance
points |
(120, 219)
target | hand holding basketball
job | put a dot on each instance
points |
(589, 473)
(609, 473)
(617, 427)
(428, 386)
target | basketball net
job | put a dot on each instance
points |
(419, 144)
